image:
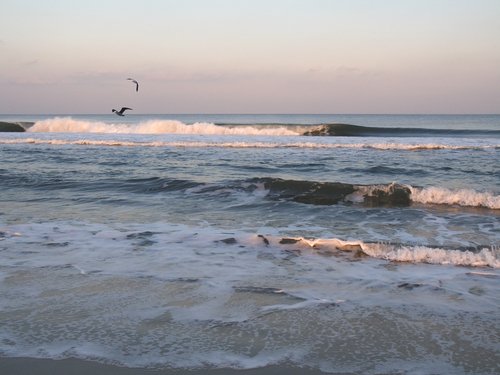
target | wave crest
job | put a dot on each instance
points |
(166, 126)
(242, 144)
(349, 130)
(393, 194)
(462, 197)
(70, 125)
(485, 257)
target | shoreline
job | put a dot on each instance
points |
(74, 366)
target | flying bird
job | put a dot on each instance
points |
(120, 112)
(136, 83)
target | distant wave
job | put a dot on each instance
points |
(16, 127)
(348, 130)
(483, 257)
(249, 143)
(68, 124)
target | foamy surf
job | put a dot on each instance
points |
(484, 257)
(240, 250)
(69, 125)
(393, 194)
(165, 126)
(460, 197)
(432, 195)
(245, 143)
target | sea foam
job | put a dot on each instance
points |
(240, 143)
(486, 257)
(70, 125)
(67, 124)
(461, 197)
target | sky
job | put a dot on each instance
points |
(250, 56)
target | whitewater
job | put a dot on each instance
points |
(340, 243)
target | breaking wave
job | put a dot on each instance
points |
(348, 130)
(484, 257)
(461, 197)
(68, 124)
(248, 143)
(393, 194)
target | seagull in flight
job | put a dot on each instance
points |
(136, 83)
(120, 112)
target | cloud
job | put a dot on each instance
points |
(31, 62)
(203, 75)
(349, 70)
(97, 75)
(353, 71)
(30, 81)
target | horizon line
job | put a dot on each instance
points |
(254, 114)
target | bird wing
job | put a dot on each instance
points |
(124, 109)
(136, 83)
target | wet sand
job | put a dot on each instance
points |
(34, 366)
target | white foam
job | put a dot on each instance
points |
(320, 143)
(300, 305)
(223, 359)
(434, 195)
(175, 302)
(424, 146)
(283, 136)
(69, 125)
(462, 197)
(486, 257)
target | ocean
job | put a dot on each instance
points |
(348, 244)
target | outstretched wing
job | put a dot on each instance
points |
(124, 109)
(136, 83)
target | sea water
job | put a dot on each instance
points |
(345, 243)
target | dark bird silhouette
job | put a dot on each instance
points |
(120, 112)
(136, 83)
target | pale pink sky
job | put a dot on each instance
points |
(250, 56)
